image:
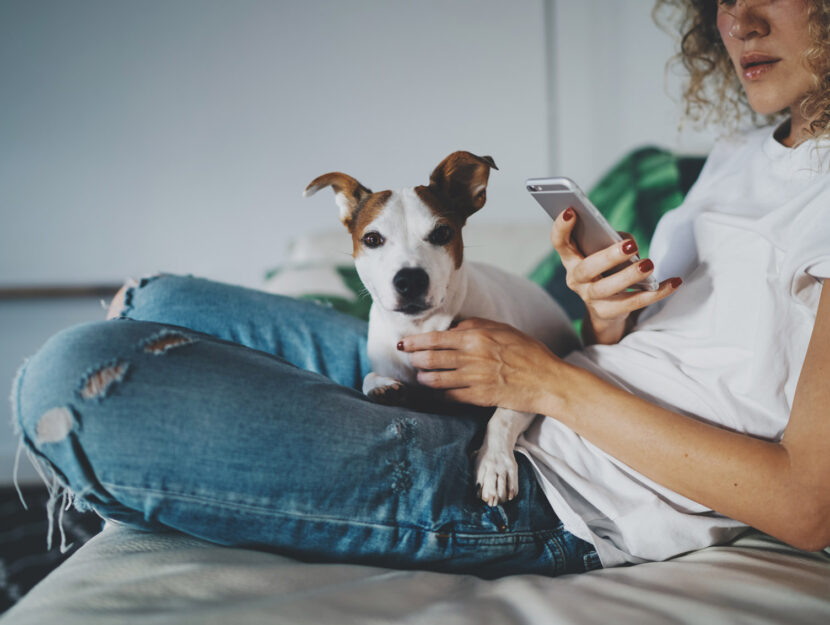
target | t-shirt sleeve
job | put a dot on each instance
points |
(807, 261)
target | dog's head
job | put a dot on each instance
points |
(407, 244)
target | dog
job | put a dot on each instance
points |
(409, 253)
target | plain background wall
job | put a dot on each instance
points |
(180, 135)
(611, 90)
(139, 136)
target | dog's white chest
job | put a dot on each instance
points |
(384, 335)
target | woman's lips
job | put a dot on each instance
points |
(755, 65)
(754, 72)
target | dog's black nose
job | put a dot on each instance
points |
(411, 283)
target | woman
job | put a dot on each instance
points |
(167, 418)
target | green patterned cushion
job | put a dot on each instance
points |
(633, 196)
(340, 287)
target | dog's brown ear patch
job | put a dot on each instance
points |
(460, 180)
(348, 193)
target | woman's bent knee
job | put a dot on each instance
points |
(79, 364)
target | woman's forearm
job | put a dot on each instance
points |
(744, 478)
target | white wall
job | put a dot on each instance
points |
(611, 92)
(139, 136)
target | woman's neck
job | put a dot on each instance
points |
(797, 129)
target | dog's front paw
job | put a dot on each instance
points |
(497, 474)
(385, 390)
(391, 395)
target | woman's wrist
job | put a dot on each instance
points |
(603, 332)
(561, 387)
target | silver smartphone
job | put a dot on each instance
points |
(592, 231)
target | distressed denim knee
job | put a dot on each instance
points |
(60, 387)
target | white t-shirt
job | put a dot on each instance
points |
(752, 244)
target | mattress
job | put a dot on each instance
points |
(127, 576)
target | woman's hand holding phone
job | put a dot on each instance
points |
(612, 307)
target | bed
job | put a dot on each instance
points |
(124, 575)
(127, 576)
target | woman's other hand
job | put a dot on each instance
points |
(485, 363)
(608, 300)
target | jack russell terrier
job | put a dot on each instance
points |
(409, 253)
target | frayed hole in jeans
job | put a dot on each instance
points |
(55, 425)
(164, 341)
(99, 383)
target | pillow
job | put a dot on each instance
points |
(332, 285)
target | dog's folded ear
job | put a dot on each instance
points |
(348, 192)
(461, 180)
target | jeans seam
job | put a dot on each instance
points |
(591, 560)
(554, 545)
(492, 538)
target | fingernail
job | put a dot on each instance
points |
(675, 282)
(568, 214)
(400, 346)
(646, 265)
(629, 246)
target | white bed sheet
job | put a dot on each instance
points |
(127, 576)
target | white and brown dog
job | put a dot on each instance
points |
(409, 253)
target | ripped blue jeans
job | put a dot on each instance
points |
(234, 415)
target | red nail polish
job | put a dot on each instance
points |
(568, 214)
(675, 282)
(400, 346)
(629, 246)
(646, 265)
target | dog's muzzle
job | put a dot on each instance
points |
(411, 284)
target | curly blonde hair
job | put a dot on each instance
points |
(713, 92)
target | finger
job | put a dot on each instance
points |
(429, 340)
(641, 299)
(435, 359)
(560, 237)
(624, 303)
(476, 323)
(593, 266)
(451, 379)
(620, 281)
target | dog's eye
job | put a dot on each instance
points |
(373, 239)
(441, 235)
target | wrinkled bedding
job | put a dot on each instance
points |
(128, 576)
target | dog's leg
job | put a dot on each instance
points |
(384, 390)
(497, 473)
